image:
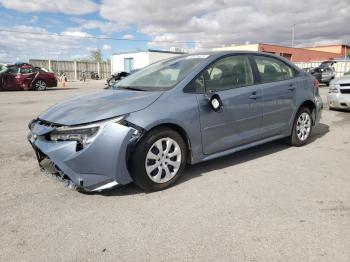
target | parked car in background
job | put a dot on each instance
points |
(94, 75)
(23, 76)
(186, 109)
(324, 73)
(339, 93)
(115, 78)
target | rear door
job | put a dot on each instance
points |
(239, 120)
(278, 85)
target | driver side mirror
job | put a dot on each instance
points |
(215, 102)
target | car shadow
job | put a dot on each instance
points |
(341, 110)
(61, 88)
(48, 89)
(193, 171)
(319, 131)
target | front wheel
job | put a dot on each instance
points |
(158, 160)
(40, 85)
(302, 128)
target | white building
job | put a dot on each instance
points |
(129, 61)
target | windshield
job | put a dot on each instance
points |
(3, 69)
(162, 75)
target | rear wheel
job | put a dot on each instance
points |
(158, 160)
(302, 128)
(40, 85)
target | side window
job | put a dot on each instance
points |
(287, 71)
(229, 72)
(272, 70)
(26, 70)
(12, 70)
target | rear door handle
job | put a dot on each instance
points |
(254, 95)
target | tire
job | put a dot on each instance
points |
(302, 128)
(111, 82)
(160, 174)
(39, 85)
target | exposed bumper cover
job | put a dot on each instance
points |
(100, 165)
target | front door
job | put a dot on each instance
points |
(239, 120)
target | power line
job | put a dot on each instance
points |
(123, 39)
(101, 37)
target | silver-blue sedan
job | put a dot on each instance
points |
(187, 109)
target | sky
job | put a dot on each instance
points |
(58, 25)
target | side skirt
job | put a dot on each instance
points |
(240, 148)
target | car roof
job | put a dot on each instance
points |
(219, 54)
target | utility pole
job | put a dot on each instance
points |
(293, 34)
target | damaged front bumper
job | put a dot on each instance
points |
(101, 165)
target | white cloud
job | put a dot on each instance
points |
(103, 26)
(107, 47)
(128, 36)
(215, 22)
(75, 33)
(19, 46)
(75, 7)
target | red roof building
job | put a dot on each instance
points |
(293, 54)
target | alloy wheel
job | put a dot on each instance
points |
(163, 160)
(40, 85)
(303, 127)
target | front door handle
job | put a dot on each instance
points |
(291, 87)
(254, 95)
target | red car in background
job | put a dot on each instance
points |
(25, 76)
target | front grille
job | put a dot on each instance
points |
(348, 84)
(345, 91)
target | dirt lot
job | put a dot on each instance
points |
(270, 203)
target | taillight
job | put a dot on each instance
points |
(316, 83)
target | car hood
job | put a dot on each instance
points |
(342, 80)
(99, 106)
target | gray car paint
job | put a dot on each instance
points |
(243, 122)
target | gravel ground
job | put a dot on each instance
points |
(269, 203)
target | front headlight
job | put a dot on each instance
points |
(333, 89)
(83, 134)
